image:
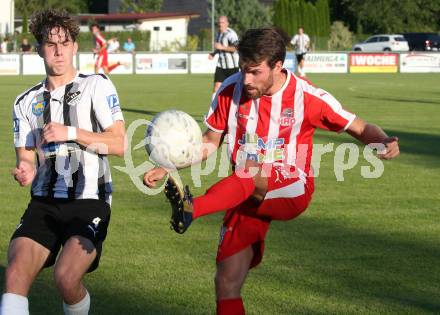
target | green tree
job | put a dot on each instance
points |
(323, 13)
(140, 6)
(243, 14)
(389, 16)
(25, 8)
(313, 16)
(340, 37)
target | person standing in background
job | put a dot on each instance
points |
(226, 41)
(301, 43)
(129, 46)
(4, 45)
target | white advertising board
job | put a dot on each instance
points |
(33, 64)
(326, 63)
(9, 64)
(161, 63)
(87, 63)
(420, 62)
(200, 63)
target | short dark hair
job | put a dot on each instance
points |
(258, 45)
(93, 25)
(44, 21)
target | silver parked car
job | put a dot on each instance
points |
(383, 42)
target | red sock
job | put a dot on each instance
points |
(110, 68)
(226, 194)
(230, 307)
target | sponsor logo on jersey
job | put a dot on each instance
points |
(260, 150)
(113, 103)
(287, 119)
(38, 108)
(16, 125)
(73, 98)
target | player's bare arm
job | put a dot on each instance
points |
(369, 133)
(24, 171)
(111, 141)
(211, 141)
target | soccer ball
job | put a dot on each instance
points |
(173, 139)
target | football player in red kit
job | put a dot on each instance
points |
(268, 116)
(101, 51)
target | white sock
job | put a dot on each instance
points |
(80, 308)
(14, 304)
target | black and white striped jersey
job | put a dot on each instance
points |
(68, 170)
(227, 60)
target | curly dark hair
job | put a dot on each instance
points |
(43, 22)
(258, 45)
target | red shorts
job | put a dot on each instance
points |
(247, 224)
(102, 60)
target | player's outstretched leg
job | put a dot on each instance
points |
(229, 279)
(181, 204)
(113, 66)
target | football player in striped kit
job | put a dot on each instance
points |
(64, 128)
(225, 47)
(268, 116)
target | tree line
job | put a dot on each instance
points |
(361, 16)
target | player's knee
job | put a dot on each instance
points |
(17, 277)
(65, 280)
(14, 273)
(227, 285)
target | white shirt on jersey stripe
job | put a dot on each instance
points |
(68, 170)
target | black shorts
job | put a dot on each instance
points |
(300, 57)
(51, 222)
(221, 74)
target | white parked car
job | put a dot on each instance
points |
(385, 42)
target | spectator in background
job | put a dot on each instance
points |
(113, 45)
(25, 46)
(301, 43)
(4, 45)
(226, 41)
(129, 46)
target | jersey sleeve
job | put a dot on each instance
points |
(233, 39)
(294, 39)
(217, 117)
(23, 135)
(106, 103)
(325, 112)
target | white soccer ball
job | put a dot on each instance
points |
(173, 139)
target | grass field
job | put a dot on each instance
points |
(364, 246)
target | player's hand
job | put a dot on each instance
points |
(54, 132)
(151, 177)
(210, 56)
(391, 148)
(24, 173)
(219, 46)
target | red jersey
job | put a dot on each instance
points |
(277, 128)
(100, 42)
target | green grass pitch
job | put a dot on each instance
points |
(364, 246)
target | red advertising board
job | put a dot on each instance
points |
(377, 62)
